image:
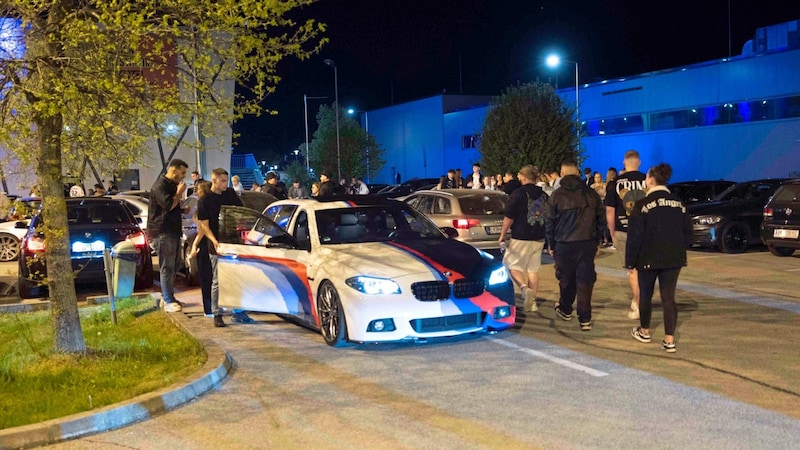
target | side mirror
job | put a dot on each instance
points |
(282, 241)
(450, 232)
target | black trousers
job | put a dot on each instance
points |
(205, 274)
(667, 283)
(576, 276)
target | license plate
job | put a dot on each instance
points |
(86, 247)
(786, 234)
(493, 230)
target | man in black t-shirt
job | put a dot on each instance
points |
(525, 218)
(621, 195)
(208, 208)
(165, 226)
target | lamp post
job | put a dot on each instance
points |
(306, 98)
(329, 62)
(554, 61)
(352, 111)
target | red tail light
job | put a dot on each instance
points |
(34, 244)
(138, 240)
(767, 212)
(466, 224)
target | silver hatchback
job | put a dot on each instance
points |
(477, 214)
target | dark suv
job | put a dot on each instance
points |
(94, 224)
(780, 229)
(731, 222)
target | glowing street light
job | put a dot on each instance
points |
(554, 61)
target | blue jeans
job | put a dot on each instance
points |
(167, 246)
(209, 279)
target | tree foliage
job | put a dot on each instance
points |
(358, 152)
(99, 78)
(528, 124)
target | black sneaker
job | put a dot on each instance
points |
(669, 347)
(637, 334)
(560, 314)
(586, 326)
(218, 322)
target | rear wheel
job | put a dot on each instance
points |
(734, 238)
(9, 247)
(781, 251)
(331, 315)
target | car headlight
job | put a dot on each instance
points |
(373, 286)
(706, 220)
(498, 276)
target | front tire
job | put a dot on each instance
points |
(9, 248)
(734, 238)
(331, 315)
(781, 251)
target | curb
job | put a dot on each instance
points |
(143, 407)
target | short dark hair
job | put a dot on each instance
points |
(477, 164)
(587, 170)
(661, 173)
(178, 164)
(272, 176)
(326, 172)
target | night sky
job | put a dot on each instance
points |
(392, 51)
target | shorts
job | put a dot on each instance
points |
(621, 243)
(523, 256)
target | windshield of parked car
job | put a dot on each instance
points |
(374, 224)
(483, 204)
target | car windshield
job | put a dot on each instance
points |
(374, 224)
(483, 204)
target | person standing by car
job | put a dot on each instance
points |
(164, 227)
(524, 217)
(574, 221)
(327, 186)
(659, 232)
(621, 195)
(208, 208)
(510, 184)
(297, 191)
(274, 188)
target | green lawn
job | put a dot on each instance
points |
(144, 352)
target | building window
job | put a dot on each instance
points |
(471, 141)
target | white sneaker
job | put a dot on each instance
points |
(530, 301)
(633, 314)
(172, 307)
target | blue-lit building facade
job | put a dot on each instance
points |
(736, 118)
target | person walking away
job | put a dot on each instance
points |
(574, 221)
(659, 232)
(524, 217)
(208, 209)
(621, 195)
(165, 225)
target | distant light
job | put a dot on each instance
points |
(171, 127)
(694, 110)
(351, 111)
(553, 60)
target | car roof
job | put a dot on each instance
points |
(461, 192)
(337, 202)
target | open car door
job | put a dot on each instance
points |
(255, 266)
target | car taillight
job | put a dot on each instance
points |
(34, 244)
(466, 224)
(767, 212)
(138, 240)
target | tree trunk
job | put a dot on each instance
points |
(63, 299)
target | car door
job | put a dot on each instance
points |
(258, 265)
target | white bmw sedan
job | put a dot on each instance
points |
(360, 269)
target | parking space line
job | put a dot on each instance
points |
(553, 359)
(792, 270)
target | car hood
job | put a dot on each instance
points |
(723, 208)
(394, 259)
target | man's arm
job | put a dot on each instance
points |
(611, 219)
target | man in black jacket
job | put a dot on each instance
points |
(574, 222)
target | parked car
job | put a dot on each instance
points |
(360, 269)
(254, 200)
(476, 214)
(94, 224)
(138, 206)
(699, 191)
(731, 222)
(12, 232)
(780, 229)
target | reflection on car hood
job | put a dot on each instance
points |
(394, 259)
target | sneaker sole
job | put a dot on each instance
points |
(562, 316)
(672, 349)
(586, 326)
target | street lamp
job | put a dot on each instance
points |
(554, 61)
(352, 111)
(329, 62)
(306, 98)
